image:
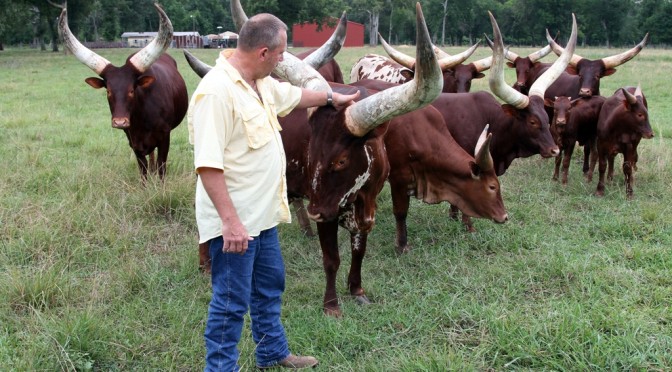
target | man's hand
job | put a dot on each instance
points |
(344, 99)
(235, 238)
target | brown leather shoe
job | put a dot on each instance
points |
(295, 362)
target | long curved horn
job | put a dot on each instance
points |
(238, 14)
(539, 54)
(511, 56)
(547, 78)
(143, 59)
(82, 53)
(299, 73)
(557, 49)
(482, 64)
(365, 115)
(200, 68)
(482, 150)
(619, 59)
(446, 61)
(328, 50)
(452, 61)
(399, 57)
(496, 80)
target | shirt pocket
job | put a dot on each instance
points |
(258, 129)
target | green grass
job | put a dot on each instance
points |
(98, 272)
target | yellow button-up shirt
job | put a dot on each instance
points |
(233, 130)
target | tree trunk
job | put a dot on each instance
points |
(606, 33)
(374, 18)
(389, 33)
(443, 24)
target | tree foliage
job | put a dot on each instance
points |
(523, 22)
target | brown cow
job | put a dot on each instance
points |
(520, 127)
(147, 95)
(427, 163)
(590, 72)
(574, 120)
(623, 122)
(343, 165)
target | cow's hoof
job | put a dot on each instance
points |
(362, 300)
(402, 250)
(334, 312)
(599, 194)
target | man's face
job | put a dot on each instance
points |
(273, 57)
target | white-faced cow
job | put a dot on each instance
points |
(147, 95)
(623, 122)
(520, 127)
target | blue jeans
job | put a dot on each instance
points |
(254, 281)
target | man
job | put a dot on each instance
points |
(241, 192)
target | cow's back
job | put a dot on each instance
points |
(168, 100)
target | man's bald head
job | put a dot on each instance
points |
(261, 30)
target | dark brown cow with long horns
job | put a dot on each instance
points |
(590, 72)
(520, 127)
(342, 163)
(147, 95)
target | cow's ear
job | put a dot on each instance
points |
(510, 110)
(479, 75)
(475, 170)
(548, 102)
(145, 81)
(609, 71)
(510, 64)
(571, 70)
(95, 82)
(379, 130)
(408, 74)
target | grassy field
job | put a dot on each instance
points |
(98, 272)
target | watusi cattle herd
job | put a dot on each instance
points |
(416, 126)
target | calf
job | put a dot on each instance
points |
(574, 120)
(623, 122)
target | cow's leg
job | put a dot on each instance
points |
(162, 157)
(601, 170)
(586, 156)
(610, 172)
(558, 160)
(328, 233)
(453, 212)
(358, 250)
(468, 223)
(302, 216)
(629, 165)
(566, 161)
(400, 204)
(152, 162)
(204, 262)
(593, 159)
(142, 165)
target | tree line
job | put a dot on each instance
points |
(451, 22)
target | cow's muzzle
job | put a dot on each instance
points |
(121, 123)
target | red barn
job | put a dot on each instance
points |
(307, 34)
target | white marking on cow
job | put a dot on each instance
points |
(360, 180)
(377, 67)
(316, 177)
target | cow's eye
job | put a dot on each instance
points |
(340, 163)
(493, 187)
